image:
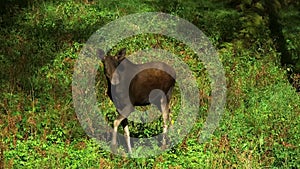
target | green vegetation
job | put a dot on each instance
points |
(40, 41)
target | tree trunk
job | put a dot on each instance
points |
(272, 8)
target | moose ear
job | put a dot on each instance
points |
(121, 54)
(100, 54)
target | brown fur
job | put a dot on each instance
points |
(140, 91)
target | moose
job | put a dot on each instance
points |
(132, 85)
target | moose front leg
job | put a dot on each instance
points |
(127, 134)
(117, 122)
(122, 117)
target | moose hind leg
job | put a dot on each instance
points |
(165, 116)
(161, 100)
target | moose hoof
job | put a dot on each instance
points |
(113, 148)
(164, 147)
